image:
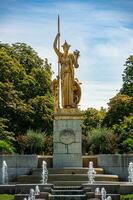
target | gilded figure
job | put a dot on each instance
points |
(70, 87)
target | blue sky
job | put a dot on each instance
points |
(101, 30)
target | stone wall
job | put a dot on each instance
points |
(23, 164)
(115, 164)
(18, 165)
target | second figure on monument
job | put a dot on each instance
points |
(70, 88)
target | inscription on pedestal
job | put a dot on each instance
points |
(67, 136)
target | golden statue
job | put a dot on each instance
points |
(70, 87)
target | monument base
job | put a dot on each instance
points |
(67, 139)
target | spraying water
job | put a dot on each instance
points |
(44, 174)
(31, 194)
(109, 198)
(4, 173)
(91, 173)
(97, 191)
(103, 194)
(37, 190)
(130, 171)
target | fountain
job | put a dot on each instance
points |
(91, 173)
(37, 190)
(4, 173)
(32, 194)
(130, 171)
(103, 193)
(44, 174)
(109, 198)
(97, 191)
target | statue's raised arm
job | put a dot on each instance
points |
(55, 45)
(76, 54)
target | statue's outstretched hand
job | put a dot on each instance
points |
(76, 53)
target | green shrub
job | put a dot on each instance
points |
(124, 130)
(102, 140)
(48, 145)
(128, 145)
(21, 144)
(127, 197)
(34, 141)
(6, 147)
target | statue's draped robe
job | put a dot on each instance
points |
(67, 79)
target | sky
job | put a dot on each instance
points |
(101, 30)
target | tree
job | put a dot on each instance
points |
(119, 106)
(127, 87)
(92, 118)
(43, 113)
(124, 132)
(25, 87)
(6, 138)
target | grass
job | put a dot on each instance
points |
(127, 197)
(6, 197)
(11, 197)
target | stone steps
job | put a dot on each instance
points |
(67, 187)
(68, 183)
(67, 197)
(81, 177)
(25, 188)
(67, 192)
(54, 178)
(67, 171)
(111, 188)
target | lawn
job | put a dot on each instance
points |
(6, 197)
(11, 197)
(127, 197)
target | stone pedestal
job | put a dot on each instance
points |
(67, 139)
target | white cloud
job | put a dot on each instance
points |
(97, 94)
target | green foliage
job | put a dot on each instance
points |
(35, 142)
(6, 197)
(43, 113)
(124, 132)
(25, 89)
(127, 87)
(5, 147)
(102, 140)
(21, 143)
(48, 145)
(92, 118)
(6, 138)
(26, 56)
(4, 134)
(127, 197)
(128, 145)
(119, 106)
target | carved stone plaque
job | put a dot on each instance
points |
(67, 136)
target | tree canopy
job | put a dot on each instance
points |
(127, 87)
(25, 89)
